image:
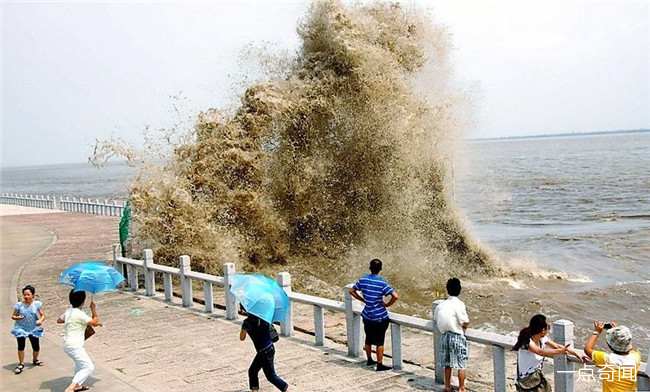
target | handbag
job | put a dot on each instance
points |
(90, 331)
(534, 382)
(274, 334)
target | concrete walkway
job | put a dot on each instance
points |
(149, 345)
(21, 243)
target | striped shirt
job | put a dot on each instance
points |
(374, 288)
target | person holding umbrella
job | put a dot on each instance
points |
(75, 323)
(263, 301)
(262, 337)
(93, 277)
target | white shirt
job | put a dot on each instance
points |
(529, 361)
(74, 327)
(450, 315)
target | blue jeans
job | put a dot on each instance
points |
(264, 361)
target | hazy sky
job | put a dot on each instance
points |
(74, 71)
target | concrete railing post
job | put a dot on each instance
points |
(643, 383)
(132, 276)
(437, 349)
(186, 283)
(168, 286)
(352, 324)
(116, 264)
(231, 301)
(319, 325)
(396, 345)
(115, 253)
(208, 296)
(499, 368)
(286, 326)
(149, 275)
(563, 369)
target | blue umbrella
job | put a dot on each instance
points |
(91, 276)
(260, 296)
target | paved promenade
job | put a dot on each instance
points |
(29, 239)
(146, 344)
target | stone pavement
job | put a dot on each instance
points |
(149, 345)
(23, 240)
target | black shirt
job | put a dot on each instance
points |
(259, 332)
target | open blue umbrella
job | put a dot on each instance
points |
(92, 276)
(260, 296)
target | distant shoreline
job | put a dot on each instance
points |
(564, 134)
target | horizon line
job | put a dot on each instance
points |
(470, 139)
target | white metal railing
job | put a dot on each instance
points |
(36, 201)
(88, 206)
(74, 204)
(565, 368)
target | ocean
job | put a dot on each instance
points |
(580, 204)
(575, 208)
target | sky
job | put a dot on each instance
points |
(72, 72)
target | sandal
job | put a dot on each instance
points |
(19, 368)
(38, 363)
(83, 388)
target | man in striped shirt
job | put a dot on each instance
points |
(373, 288)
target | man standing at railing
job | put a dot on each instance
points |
(452, 321)
(374, 288)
